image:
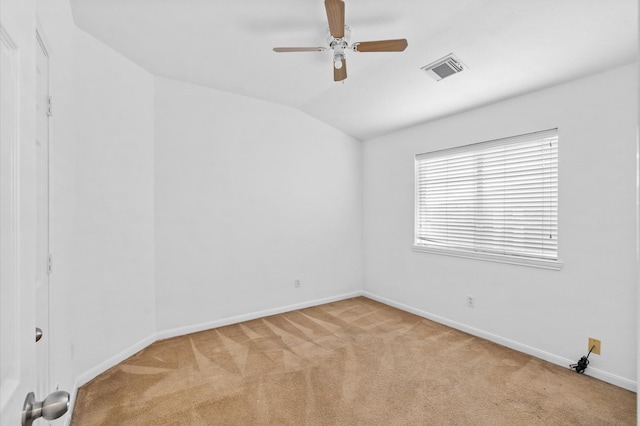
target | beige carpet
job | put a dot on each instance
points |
(354, 362)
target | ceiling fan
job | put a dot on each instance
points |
(338, 40)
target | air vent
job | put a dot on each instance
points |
(445, 67)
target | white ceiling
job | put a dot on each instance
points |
(509, 46)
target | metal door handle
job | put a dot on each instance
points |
(38, 334)
(53, 406)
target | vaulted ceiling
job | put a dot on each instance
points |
(509, 47)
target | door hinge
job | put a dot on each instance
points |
(50, 264)
(49, 106)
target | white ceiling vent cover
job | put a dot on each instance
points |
(443, 68)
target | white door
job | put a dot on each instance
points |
(42, 215)
(16, 349)
(24, 240)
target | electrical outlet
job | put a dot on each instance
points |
(297, 283)
(471, 301)
(595, 344)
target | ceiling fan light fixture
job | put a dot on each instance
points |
(337, 63)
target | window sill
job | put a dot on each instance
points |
(554, 265)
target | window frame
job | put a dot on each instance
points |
(555, 264)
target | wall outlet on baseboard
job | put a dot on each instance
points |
(595, 344)
(297, 283)
(471, 301)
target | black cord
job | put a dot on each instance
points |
(581, 365)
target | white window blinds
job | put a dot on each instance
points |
(498, 197)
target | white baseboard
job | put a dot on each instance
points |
(72, 404)
(94, 372)
(520, 347)
(180, 331)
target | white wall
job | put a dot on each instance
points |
(548, 313)
(249, 197)
(114, 282)
(102, 298)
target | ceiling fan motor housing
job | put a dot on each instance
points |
(338, 45)
(331, 40)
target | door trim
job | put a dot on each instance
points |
(43, 44)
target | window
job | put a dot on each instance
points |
(494, 200)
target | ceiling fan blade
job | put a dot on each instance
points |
(381, 46)
(335, 16)
(299, 49)
(340, 74)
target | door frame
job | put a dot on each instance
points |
(45, 385)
